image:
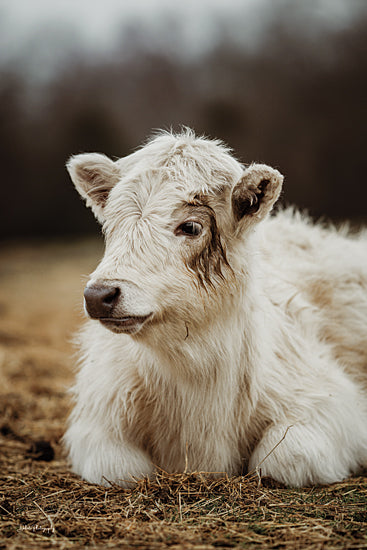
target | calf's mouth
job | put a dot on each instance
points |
(128, 325)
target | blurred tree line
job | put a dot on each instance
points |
(297, 102)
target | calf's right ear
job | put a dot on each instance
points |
(254, 194)
(93, 175)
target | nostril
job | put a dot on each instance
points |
(111, 297)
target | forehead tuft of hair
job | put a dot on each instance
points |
(185, 138)
(196, 164)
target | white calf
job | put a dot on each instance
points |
(217, 332)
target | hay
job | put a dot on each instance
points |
(43, 505)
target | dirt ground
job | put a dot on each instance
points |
(43, 505)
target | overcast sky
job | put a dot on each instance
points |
(41, 32)
(97, 24)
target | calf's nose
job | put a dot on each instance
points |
(100, 300)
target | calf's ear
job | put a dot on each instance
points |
(93, 175)
(255, 193)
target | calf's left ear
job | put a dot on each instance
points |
(255, 193)
(93, 175)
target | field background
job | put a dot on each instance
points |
(43, 505)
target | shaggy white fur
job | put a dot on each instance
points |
(237, 340)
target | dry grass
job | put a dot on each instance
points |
(43, 505)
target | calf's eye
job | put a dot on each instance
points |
(189, 228)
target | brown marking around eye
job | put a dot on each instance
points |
(208, 263)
